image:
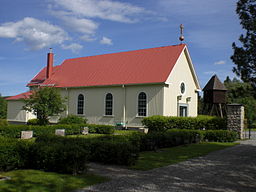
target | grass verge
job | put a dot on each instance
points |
(150, 159)
(34, 181)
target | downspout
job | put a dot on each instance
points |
(124, 106)
(67, 101)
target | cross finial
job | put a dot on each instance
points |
(181, 33)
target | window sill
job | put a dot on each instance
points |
(141, 116)
(111, 116)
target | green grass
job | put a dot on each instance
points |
(35, 181)
(150, 160)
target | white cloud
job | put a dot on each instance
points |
(103, 9)
(106, 41)
(74, 47)
(192, 7)
(221, 62)
(34, 33)
(88, 38)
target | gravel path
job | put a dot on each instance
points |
(229, 170)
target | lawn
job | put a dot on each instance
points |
(150, 159)
(35, 181)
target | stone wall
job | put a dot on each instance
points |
(235, 119)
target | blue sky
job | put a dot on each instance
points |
(77, 28)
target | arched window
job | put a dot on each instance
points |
(80, 104)
(142, 104)
(109, 104)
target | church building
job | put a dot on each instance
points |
(119, 88)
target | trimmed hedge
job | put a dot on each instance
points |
(220, 135)
(162, 123)
(59, 154)
(14, 131)
(101, 129)
(13, 153)
(3, 122)
(70, 154)
(72, 119)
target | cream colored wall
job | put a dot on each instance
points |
(15, 112)
(95, 103)
(180, 73)
(154, 99)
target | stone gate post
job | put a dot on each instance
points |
(235, 119)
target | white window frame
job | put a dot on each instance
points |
(137, 104)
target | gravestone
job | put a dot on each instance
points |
(85, 131)
(235, 119)
(143, 130)
(60, 132)
(26, 134)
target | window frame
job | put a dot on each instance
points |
(80, 105)
(112, 105)
(139, 114)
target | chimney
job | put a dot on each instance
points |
(49, 64)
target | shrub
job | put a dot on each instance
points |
(59, 154)
(170, 138)
(220, 135)
(101, 129)
(12, 153)
(161, 123)
(3, 123)
(33, 122)
(72, 119)
(156, 123)
(113, 151)
(14, 131)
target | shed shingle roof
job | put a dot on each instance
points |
(214, 84)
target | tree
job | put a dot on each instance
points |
(245, 57)
(45, 102)
(3, 108)
(240, 92)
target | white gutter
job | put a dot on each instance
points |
(124, 106)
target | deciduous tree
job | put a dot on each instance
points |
(244, 57)
(45, 102)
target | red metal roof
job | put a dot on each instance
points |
(143, 66)
(20, 96)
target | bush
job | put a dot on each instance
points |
(101, 129)
(59, 154)
(161, 123)
(156, 123)
(33, 122)
(220, 135)
(170, 138)
(72, 119)
(12, 153)
(14, 131)
(115, 150)
(3, 122)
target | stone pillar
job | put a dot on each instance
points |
(235, 119)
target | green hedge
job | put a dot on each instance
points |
(101, 129)
(14, 131)
(59, 154)
(3, 122)
(220, 135)
(72, 119)
(13, 153)
(162, 123)
(70, 154)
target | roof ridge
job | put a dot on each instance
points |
(126, 51)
